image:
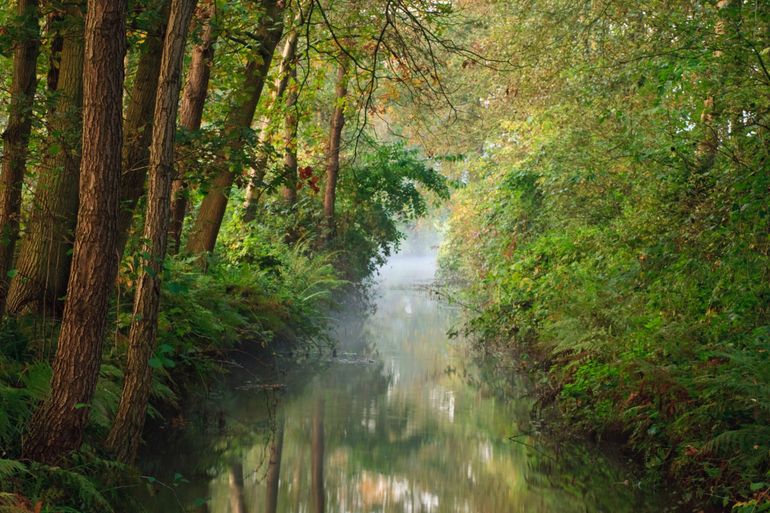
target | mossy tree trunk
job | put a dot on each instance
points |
(43, 263)
(57, 426)
(16, 135)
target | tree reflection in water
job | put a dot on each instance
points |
(402, 420)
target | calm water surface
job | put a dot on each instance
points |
(399, 420)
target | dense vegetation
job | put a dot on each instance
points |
(615, 228)
(178, 180)
(181, 176)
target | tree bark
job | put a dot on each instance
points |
(16, 135)
(191, 113)
(333, 148)
(58, 424)
(138, 125)
(291, 125)
(126, 432)
(204, 234)
(44, 256)
(54, 56)
(257, 172)
(274, 469)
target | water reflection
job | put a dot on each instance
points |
(394, 423)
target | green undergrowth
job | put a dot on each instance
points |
(282, 294)
(646, 320)
(634, 334)
(271, 281)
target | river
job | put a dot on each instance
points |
(401, 418)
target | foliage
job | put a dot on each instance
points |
(610, 234)
(377, 196)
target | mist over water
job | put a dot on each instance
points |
(401, 419)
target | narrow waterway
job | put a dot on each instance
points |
(399, 419)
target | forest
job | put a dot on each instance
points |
(184, 181)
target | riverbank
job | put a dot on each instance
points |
(634, 334)
(206, 318)
(400, 418)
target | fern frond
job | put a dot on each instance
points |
(9, 468)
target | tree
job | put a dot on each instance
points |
(139, 118)
(286, 71)
(203, 235)
(126, 431)
(42, 265)
(291, 125)
(58, 424)
(16, 135)
(333, 146)
(191, 111)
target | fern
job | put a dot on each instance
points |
(747, 438)
(78, 487)
(9, 468)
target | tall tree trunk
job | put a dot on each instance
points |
(16, 135)
(291, 124)
(126, 433)
(44, 257)
(274, 469)
(204, 234)
(333, 147)
(235, 479)
(137, 130)
(191, 112)
(257, 171)
(317, 458)
(57, 426)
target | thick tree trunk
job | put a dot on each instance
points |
(138, 125)
(44, 257)
(257, 171)
(204, 234)
(291, 124)
(57, 426)
(333, 147)
(191, 113)
(274, 469)
(317, 459)
(16, 135)
(126, 433)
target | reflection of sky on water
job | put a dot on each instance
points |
(392, 425)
